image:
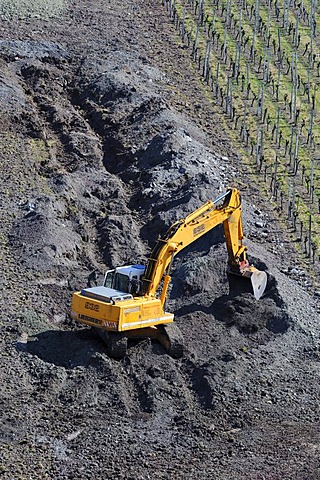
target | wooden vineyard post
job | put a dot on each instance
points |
(277, 127)
(309, 235)
(239, 41)
(224, 51)
(217, 79)
(293, 206)
(255, 30)
(311, 127)
(206, 65)
(275, 176)
(183, 26)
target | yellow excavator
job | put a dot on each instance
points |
(131, 301)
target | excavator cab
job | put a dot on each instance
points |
(127, 279)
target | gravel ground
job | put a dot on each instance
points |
(45, 9)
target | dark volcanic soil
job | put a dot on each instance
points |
(107, 137)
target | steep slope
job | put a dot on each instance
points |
(106, 138)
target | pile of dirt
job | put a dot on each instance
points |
(98, 161)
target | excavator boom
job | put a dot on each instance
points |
(186, 231)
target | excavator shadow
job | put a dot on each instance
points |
(78, 348)
(67, 349)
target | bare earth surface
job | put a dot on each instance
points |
(107, 137)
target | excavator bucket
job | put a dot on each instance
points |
(257, 278)
(259, 283)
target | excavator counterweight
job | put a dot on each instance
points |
(129, 303)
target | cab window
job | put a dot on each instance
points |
(109, 279)
(121, 282)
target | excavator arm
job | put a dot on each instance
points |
(186, 231)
